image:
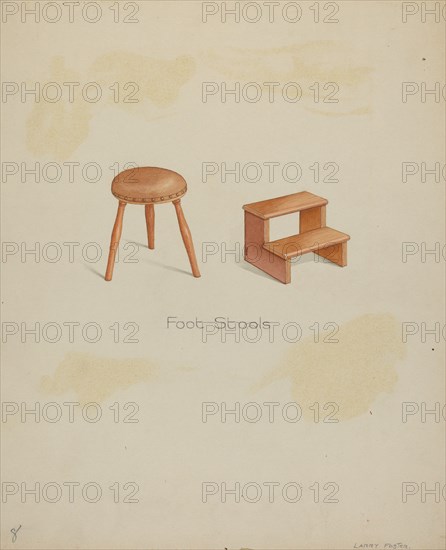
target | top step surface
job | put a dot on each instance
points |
(287, 204)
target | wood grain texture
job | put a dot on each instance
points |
(275, 266)
(336, 254)
(313, 218)
(274, 257)
(114, 243)
(256, 234)
(317, 239)
(148, 184)
(187, 238)
(150, 223)
(287, 204)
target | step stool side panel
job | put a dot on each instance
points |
(336, 254)
(256, 234)
(273, 265)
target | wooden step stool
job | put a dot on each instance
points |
(274, 257)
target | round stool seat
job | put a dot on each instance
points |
(147, 185)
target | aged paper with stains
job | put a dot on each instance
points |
(162, 411)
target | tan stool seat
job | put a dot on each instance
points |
(148, 185)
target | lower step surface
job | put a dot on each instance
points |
(310, 241)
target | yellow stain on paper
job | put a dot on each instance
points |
(126, 80)
(351, 373)
(95, 379)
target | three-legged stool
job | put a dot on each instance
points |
(149, 186)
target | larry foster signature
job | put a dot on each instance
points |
(386, 546)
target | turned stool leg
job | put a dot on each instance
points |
(150, 222)
(187, 238)
(114, 243)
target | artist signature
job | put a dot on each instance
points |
(386, 546)
(14, 533)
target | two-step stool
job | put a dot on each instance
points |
(274, 257)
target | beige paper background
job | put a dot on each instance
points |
(170, 452)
